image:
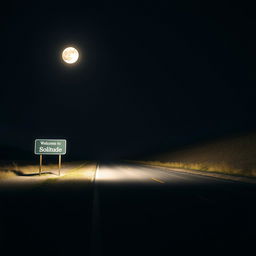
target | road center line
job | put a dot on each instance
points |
(160, 181)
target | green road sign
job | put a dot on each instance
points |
(50, 147)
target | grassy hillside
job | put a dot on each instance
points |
(234, 155)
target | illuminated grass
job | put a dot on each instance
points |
(216, 168)
(233, 156)
(5, 174)
(85, 170)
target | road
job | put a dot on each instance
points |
(140, 210)
(128, 209)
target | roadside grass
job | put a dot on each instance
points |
(85, 170)
(215, 168)
(233, 156)
(5, 174)
(14, 169)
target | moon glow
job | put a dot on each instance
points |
(70, 55)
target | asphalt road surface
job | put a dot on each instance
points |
(129, 209)
(143, 210)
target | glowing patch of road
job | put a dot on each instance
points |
(117, 173)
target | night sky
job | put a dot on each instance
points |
(150, 78)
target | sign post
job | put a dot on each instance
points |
(59, 164)
(50, 147)
(40, 166)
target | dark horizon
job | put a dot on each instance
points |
(150, 79)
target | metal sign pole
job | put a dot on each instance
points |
(59, 163)
(40, 166)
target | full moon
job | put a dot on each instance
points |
(70, 55)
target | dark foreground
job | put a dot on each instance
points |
(130, 210)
